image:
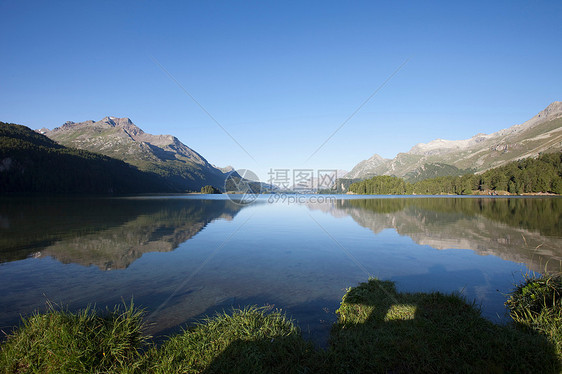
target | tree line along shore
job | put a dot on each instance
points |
(541, 175)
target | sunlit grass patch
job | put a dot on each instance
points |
(400, 312)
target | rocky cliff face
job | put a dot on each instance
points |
(542, 133)
(373, 165)
(184, 168)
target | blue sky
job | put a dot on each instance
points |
(281, 77)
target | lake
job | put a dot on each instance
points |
(185, 256)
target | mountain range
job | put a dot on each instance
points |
(165, 164)
(164, 155)
(540, 134)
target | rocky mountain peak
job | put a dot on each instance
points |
(108, 121)
(116, 121)
(376, 157)
(553, 110)
(68, 125)
(366, 165)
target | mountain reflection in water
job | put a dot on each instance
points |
(524, 230)
(108, 233)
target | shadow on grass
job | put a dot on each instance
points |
(382, 331)
(276, 355)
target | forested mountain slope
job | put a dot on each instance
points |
(31, 162)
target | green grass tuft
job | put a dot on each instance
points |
(250, 340)
(88, 341)
(536, 305)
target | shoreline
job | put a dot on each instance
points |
(378, 330)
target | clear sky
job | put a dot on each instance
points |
(281, 76)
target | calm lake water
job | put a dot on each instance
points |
(182, 257)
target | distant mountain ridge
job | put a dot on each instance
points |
(165, 155)
(542, 133)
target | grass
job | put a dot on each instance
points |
(251, 340)
(536, 305)
(378, 330)
(88, 341)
